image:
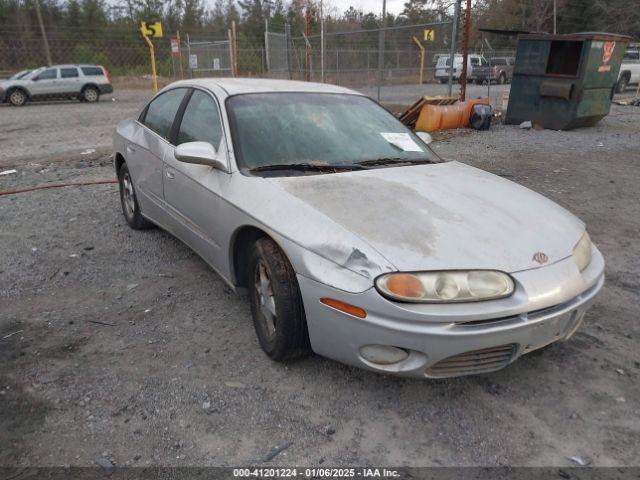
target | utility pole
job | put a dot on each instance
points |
(234, 48)
(465, 51)
(44, 33)
(452, 52)
(307, 50)
(266, 42)
(381, 48)
(322, 73)
(555, 15)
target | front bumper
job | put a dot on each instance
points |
(3, 95)
(456, 339)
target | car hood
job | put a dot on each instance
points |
(441, 216)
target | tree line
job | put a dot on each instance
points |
(107, 31)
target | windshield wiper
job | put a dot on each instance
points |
(308, 167)
(393, 160)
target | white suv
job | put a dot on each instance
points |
(84, 82)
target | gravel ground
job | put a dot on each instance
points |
(124, 345)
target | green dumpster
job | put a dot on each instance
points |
(565, 81)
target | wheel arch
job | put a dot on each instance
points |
(10, 90)
(88, 85)
(118, 161)
(240, 246)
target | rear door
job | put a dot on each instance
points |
(69, 80)
(146, 148)
(45, 83)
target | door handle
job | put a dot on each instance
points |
(130, 149)
(170, 174)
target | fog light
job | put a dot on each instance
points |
(383, 354)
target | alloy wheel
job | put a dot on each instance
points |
(266, 300)
(17, 98)
(128, 196)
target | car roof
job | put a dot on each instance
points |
(236, 86)
(71, 65)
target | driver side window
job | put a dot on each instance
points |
(201, 121)
(49, 74)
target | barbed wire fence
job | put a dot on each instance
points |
(351, 58)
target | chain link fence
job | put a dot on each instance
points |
(350, 58)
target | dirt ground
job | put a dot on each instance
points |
(123, 345)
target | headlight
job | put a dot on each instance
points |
(582, 252)
(445, 286)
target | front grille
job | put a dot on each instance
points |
(476, 361)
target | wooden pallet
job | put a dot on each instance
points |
(410, 116)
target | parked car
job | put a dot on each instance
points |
(498, 69)
(474, 61)
(630, 69)
(84, 82)
(352, 237)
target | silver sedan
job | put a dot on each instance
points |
(353, 239)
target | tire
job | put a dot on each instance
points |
(90, 95)
(273, 289)
(443, 81)
(17, 98)
(129, 201)
(621, 86)
(502, 79)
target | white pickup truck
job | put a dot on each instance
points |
(630, 68)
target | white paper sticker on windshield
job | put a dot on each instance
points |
(402, 140)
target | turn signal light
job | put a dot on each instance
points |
(344, 307)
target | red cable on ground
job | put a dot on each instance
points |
(57, 185)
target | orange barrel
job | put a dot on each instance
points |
(445, 117)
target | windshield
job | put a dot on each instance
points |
(20, 75)
(32, 73)
(318, 128)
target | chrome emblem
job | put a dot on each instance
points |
(540, 257)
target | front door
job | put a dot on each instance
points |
(45, 83)
(192, 192)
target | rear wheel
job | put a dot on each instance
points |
(17, 98)
(276, 304)
(90, 94)
(130, 206)
(502, 79)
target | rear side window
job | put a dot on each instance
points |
(92, 71)
(200, 122)
(162, 111)
(68, 72)
(48, 74)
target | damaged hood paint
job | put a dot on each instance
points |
(441, 216)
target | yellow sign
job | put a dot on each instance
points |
(429, 35)
(152, 29)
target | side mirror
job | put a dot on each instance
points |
(200, 153)
(425, 137)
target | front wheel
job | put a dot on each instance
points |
(502, 79)
(17, 98)
(276, 304)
